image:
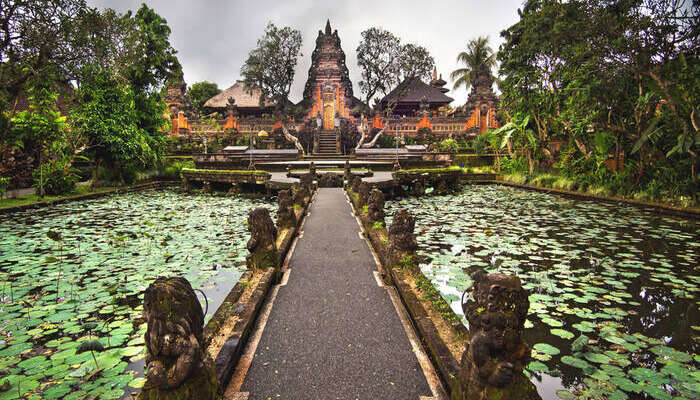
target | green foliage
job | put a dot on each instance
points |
(378, 225)
(478, 57)
(416, 62)
(4, 183)
(270, 65)
(56, 177)
(449, 146)
(378, 58)
(200, 92)
(513, 165)
(107, 117)
(612, 81)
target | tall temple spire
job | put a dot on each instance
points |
(328, 26)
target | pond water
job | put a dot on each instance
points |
(88, 283)
(613, 289)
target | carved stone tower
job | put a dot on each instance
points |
(328, 91)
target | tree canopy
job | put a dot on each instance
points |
(478, 56)
(384, 62)
(613, 79)
(200, 92)
(270, 65)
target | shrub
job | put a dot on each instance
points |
(56, 176)
(449, 146)
(4, 183)
(514, 165)
(518, 179)
(377, 225)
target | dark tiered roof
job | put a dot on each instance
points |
(413, 91)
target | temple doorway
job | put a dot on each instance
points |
(328, 117)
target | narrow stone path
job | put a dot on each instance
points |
(333, 332)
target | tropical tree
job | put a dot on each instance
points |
(477, 57)
(416, 62)
(107, 117)
(200, 92)
(270, 65)
(378, 57)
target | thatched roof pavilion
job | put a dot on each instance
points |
(247, 101)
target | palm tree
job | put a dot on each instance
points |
(479, 56)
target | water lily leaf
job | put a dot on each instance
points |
(546, 348)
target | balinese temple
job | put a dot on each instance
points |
(481, 104)
(328, 92)
(406, 98)
(246, 101)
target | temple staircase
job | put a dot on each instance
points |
(327, 144)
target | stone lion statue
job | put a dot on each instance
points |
(263, 240)
(375, 205)
(175, 358)
(285, 210)
(495, 356)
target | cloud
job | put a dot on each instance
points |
(213, 37)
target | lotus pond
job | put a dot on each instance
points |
(613, 289)
(76, 272)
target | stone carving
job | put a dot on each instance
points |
(175, 357)
(356, 181)
(401, 235)
(330, 180)
(285, 210)
(263, 238)
(363, 193)
(299, 194)
(312, 168)
(375, 205)
(493, 361)
(418, 188)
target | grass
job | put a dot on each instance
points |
(225, 172)
(422, 170)
(431, 294)
(484, 169)
(33, 198)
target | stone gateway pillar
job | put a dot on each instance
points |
(493, 361)
(177, 364)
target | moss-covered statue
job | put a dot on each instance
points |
(493, 361)
(178, 366)
(375, 205)
(263, 240)
(402, 239)
(356, 181)
(362, 194)
(285, 210)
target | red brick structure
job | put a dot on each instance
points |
(328, 91)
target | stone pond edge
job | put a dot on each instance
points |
(440, 356)
(230, 353)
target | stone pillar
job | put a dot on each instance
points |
(375, 205)
(362, 194)
(312, 169)
(493, 361)
(285, 212)
(176, 360)
(263, 240)
(347, 173)
(402, 240)
(186, 184)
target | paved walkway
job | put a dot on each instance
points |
(333, 332)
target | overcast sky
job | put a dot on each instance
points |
(213, 37)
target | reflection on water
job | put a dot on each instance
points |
(85, 281)
(627, 279)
